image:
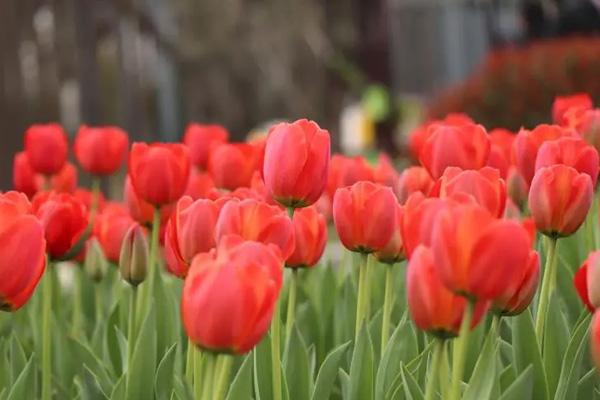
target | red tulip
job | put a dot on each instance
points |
(159, 172)
(24, 177)
(516, 302)
(201, 139)
(64, 218)
(200, 185)
(110, 227)
(101, 150)
(22, 251)
(296, 162)
(595, 339)
(362, 214)
(581, 285)
(230, 294)
(501, 150)
(563, 103)
(464, 146)
(385, 173)
(87, 198)
(588, 126)
(65, 181)
(190, 231)
(232, 165)
(143, 212)
(325, 207)
(485, 186)
(434, 308)
(477, 255)
(310, 231)
(527, 144)
(46, 147)
(570, 151)
(258, 221)
(419, 136)
(413, 179)
(393, 251)
(346, 171)
(559, 199)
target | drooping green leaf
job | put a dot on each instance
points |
(163, 383)
(412, 391)
(297, 367)
(556, 338)
(262, 374)
(526, 352)
(17, 357)
(119, 391)
(362, 368)
(241, 386)
(521, 388)
(481, 383)
(95, 365)
(88, 386)
(328, 372)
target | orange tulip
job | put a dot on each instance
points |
(230, 294)
(258, 221)
(296, 162)
(46, 147)
(432, 306)
(231, 165)
(464, 146)
(310, 231)
(190, 231)
(22, 251)
(559, 199)
(101, 150)
(200, 139)
(485, 186)
(570, 151)
(159, 172)
(477, 255)
(363, 215)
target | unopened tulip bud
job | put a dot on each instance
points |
(134, 256)
(95, 264)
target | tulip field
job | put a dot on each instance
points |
(273, 270)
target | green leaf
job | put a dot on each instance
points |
(88, 386)
(22, 387)
(344, 383)
(412, 390)
(241, 386)
(140, 386)
(297, 367)
(526, 352)
(571, 365)
(556, 339)
(87, 357)
(113, 350)
(521, 388)
(483, 379)
(263, 380)
(119, 392)
(163, 383)
(328, 372)
(17, 357)
(361, 368)
(586, 384)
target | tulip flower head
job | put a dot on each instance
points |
(364, 216)
(310, 231)
(393, 251)
(296, 162)
(101, 150)
(570, 151)
(231, 165)
(159, 172)
(516, 302)
(110, 226)
(346, 171)
(46, 147)
(22, 251)
(133, 260)
(563, 104)
(201, 139)
(559, 199)
(587, 281)
(413, 179)
(230, 294)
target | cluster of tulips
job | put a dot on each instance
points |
(232, 232)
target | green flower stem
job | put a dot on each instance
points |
(77, 316)
(275, 353)
(198, 366)
(209, 373)
(148, 287)
(495, 327)
(131, 331)
(222, 372)
(361, 305)
(460, 351)
(548, 284)
(444, 371)
(46, 330)
(189, 363)
(291, 306)
(434, 368)
(388, 304)
(368, 283)
(99, 299)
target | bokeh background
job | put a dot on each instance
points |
(368, 70)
